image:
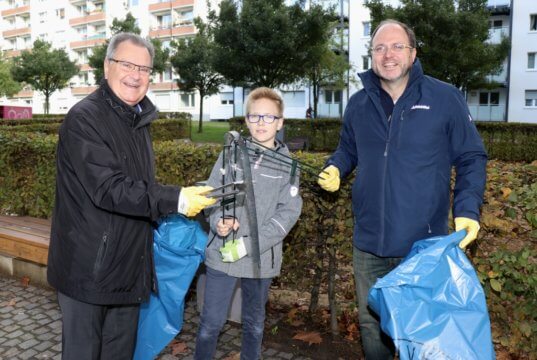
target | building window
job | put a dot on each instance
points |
(495, 24)
(332, 96)
(134, 2)
(366, 62)
(42, 17)
(533, 22)
(60, 13)
(531, 98)
(167, 74)
(187, 100)
(226, 98)
(164, 21)
(489, 98)
(531, 61)
(367, 28)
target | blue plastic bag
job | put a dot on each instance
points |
(179, 248)
(433, 306)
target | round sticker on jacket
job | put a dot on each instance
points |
(293, 191)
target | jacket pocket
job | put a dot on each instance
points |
(101, 255)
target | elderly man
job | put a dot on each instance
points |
(100, 258)
(403, 131)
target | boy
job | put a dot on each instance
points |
(228, 255)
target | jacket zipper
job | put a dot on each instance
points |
(383, 200)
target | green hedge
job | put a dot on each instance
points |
(503, 141)
(166, 128)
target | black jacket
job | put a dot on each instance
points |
(106, 199)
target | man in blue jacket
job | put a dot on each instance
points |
(404, 131)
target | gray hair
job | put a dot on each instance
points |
(406, 28)
(133, 38)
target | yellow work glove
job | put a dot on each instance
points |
(329, 178)
(471, 226)
(191, 200)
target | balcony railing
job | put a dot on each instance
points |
(496, 34)
(487, 112)
(16, 11)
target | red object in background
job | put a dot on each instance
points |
(15, 112)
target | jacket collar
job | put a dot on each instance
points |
(129, 114)
(371, 81)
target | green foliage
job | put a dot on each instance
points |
(96, 59)
(193, 61)
(44, 68)
(8, 86)
(510, 282)
(318, 134)
(452, 38)
(266, 43)
(170, 129)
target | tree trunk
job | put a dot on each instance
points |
(200, 126)
(315, 99)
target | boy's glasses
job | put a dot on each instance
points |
(267, 119)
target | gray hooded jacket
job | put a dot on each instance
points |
(278, 206)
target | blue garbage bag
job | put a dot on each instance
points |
(432, 305)
(179, 248)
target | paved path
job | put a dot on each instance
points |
(30, 328)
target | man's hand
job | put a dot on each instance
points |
(191, 202)
(329, 178)
(224, 226)
(471, 226)
(233, 250)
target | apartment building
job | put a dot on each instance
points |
(79, 25)
(515, 97)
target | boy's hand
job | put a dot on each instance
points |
(224, 226)
(233, 250)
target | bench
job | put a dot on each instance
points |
(24, 245)
(25, 237)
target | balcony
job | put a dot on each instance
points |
(16, 11)
(496, 34)
(165, 32)
(24, 94)
(487, 112)
(82, 90)
(17, 32)
(164, 86)
(88, 19)
(88, 41)
(170, 5)
(12, 53)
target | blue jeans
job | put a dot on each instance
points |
(367, 268)
(218, 292)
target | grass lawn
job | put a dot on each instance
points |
(213, 131)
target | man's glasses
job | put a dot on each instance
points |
(396, 48)
(128, 66)
(267, 119)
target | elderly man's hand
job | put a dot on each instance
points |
(192, 200)
(471, 226)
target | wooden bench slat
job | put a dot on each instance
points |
(25, 237)
(8, 234)
(26, 221)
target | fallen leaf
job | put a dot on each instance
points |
(311, 337)
(25, 281)
(296, 323)
(11, 302)
(233, 356)
(506, 192)
(178, 347)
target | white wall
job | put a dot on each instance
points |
(522, 79)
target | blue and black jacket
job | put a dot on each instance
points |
(401, 193)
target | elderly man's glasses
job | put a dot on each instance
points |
(128, 66)
(267, 119)
(396, 48)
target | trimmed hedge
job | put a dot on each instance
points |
(169, 128)
(503, 141)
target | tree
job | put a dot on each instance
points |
(267, 43)
(193, 62)
(326, 68)
(44, 68)
(8, 86)
(452, 38)
(96, 59)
